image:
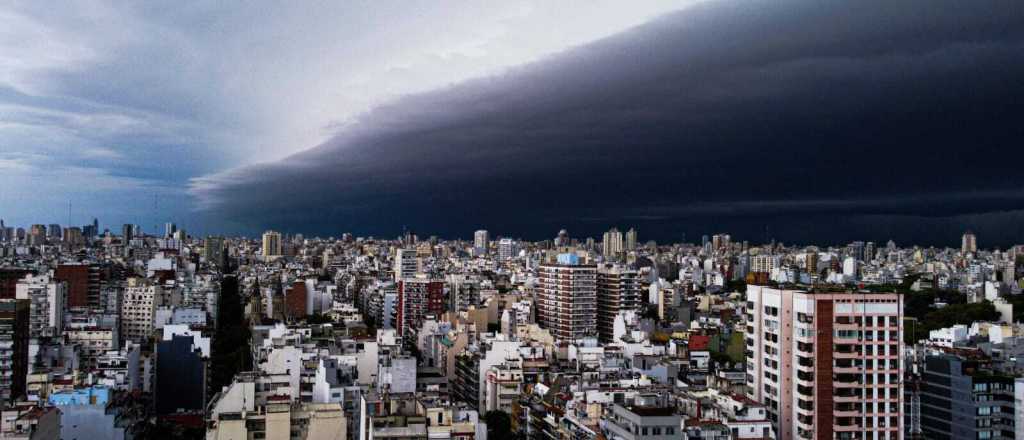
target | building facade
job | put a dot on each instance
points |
(826, 363)
(567, 299)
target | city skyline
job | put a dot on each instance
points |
(671, 118)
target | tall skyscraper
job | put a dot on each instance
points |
(612, 243)
(127, 232)
(618, 290)
(968, 243)
(631, 239)
(170, 229)
(271, 244)
(481, 241)
(826, 364)
(567, 300)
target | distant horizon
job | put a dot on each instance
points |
(692, 239)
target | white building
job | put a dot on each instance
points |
(46, 298)
(141, 299)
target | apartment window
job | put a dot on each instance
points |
(670, 431)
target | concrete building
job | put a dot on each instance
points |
(241, 412)
(612, 243)
(648, 418)
(141, 299)
(406, 264)
(83, 284)
(84, 414)
(213, 250)
(271, 245)
(618, 290)
(506, 249)
(826, 363)
(180, 375)
(502, 387)
(417, 299)
(961, 400)
(14, 342)
(968, 243)
(46, 301)
(630, 244)
(567, 298)
(481, 242)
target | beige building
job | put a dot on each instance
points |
(241, 413)
(141, 298)
(271, 244)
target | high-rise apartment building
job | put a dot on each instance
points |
(14, 342)
(631, 239)
(968, 243)
(481, 240)
(406, 264)
(506, 249)
(961, 399)
(213, 250)
(37, 235)
(127, 232)
(83, 284)
(618, 290)
(720, 241)
(417, 298)
(141, 298)
(46, 304)
(811, 263)
(762, 263)
(612, 243)
(74, 236)
(826, 363)
(567, 300)
(271, 244)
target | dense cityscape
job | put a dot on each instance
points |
(512, 220)
(126, 335)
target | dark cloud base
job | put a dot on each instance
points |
(824, 121)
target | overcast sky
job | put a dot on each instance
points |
(114, 107)
(806, 121)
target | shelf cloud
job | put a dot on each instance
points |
(802, 118)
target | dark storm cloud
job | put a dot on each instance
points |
(807, 117)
